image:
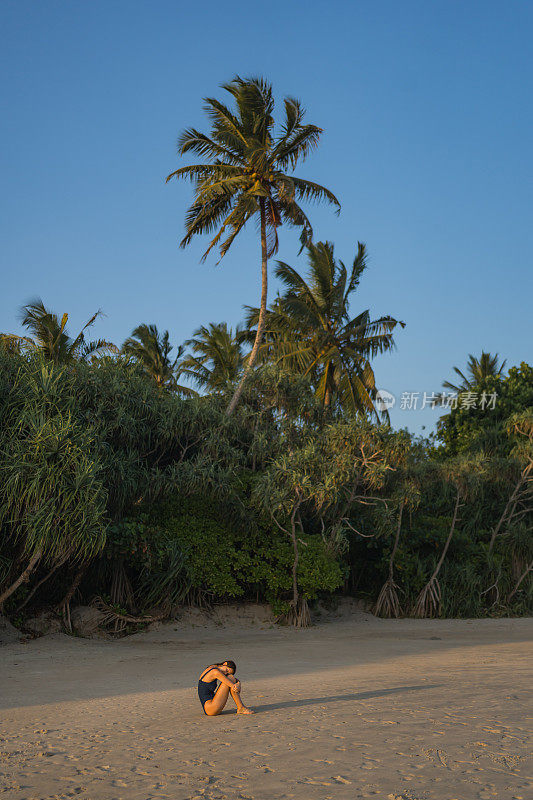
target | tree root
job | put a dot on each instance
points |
(388, 603)
(120, 621)
(297, 615)
(428, 602)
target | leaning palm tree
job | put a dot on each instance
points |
(216, 360)
(477, 369)
(151, 350)
(309, 330)
(49, 336)
(247, 176)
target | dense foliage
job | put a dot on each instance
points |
(118, 491)
(465, 429)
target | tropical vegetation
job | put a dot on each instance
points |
(50, 337)
(216, 357)
(309, 330)
(122, 474)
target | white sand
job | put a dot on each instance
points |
(352, 708)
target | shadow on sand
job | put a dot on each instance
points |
(336, 698)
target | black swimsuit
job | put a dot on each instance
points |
(206, 689)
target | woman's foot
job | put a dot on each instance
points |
(245, 710)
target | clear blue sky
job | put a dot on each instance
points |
(426, 107)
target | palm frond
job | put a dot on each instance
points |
(358, 267)
(297, 145)
(314, 192)
(191, 140)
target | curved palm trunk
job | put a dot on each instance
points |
(262, 312)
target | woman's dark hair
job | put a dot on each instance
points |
(231, 664)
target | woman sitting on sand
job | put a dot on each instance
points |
(212, 699)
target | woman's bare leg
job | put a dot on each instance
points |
(241, 708)
(236, 694)
(215, 706)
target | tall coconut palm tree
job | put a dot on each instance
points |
(151, 350)
(49, 335)
(217, 358)
(309, 330)
(477, 369)
(247, 176)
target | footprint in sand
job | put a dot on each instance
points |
(437, 756)
(506, 760)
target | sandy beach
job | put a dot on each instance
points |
(354, 707)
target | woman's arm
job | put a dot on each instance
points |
(227, 680)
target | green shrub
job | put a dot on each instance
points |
(228, 560)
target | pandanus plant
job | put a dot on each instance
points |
(330, 473)
(408, 497)
(52, 497)
(283, 490)
(463, 475)
(248, 174)
(519, 503)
